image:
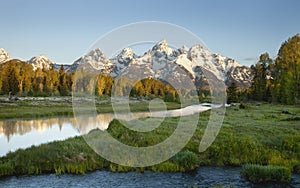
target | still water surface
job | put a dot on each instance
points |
(15, 134)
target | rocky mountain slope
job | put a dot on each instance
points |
(161, 62)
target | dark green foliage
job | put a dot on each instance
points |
(296, 168)
(242, 106)
(279, 81)
(262, 74)
(263, 174)
(287, 72)
(186, 159)
(232, 94)
(65, 83)
(6, 169)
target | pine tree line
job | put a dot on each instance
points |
(278, 80)
(273, 80)
(19, 78)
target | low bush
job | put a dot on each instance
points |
(296, 168)
(186, 159)
(243, 106)
(263, 174)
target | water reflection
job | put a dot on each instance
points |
(21, 127)
(16, 134)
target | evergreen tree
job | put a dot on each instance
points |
(287, 72)
(38, 81)
(261, 74)
(10, 76)
(63, 87)
(232, 93)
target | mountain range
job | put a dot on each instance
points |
(158, 62)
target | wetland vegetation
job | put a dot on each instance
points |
(268, 135)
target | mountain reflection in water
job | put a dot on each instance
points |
(15, 134)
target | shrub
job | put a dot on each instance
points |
(262, 174)
(186, 159)
(296, 168)
(243, 106)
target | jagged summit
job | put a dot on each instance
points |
(162, 47)
(94, 60)
(41, 62)
(126, 55)
(4, 56)
(160, 62)
(96, 53)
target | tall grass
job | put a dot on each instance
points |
(264, 174)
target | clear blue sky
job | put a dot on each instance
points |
(64, 29)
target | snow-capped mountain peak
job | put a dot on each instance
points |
(95, 60)
(162, 47)
(161, 61)
(126, 55)
(4, 56)
(41, 62)
(126, 52)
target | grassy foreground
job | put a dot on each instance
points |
(251, 134)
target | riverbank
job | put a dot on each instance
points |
(214, 177)
(259, 134)
(39, 107)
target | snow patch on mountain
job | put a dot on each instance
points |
(4, 56)
(41, 62)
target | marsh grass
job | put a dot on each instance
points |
(264, 174)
